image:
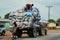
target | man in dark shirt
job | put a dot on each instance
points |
(15, 25)
(14, 29)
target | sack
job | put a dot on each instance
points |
(12, 29)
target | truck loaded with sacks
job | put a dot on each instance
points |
(27, 20)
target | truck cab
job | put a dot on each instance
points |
(2, 29)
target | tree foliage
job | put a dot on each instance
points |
(58, 21)
(51, 21)
(7, 15)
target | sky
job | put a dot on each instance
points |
(12, 5)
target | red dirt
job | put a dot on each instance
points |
(51, 31)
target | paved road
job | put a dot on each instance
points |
(50, 36)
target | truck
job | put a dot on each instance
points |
(28, 21)
(2, 29)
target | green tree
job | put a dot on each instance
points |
(51, 21)
(7, 15)
(58, 21)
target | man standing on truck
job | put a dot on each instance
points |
(28, 7)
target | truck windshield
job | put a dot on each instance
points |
(1, 26)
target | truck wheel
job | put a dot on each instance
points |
(41, 31)
(45, 32)
(32, 33)
(19, 33)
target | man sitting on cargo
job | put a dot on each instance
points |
(28, 7)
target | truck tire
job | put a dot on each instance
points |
(32, 32)
(45, 32)
(18, 33)
(41, 31)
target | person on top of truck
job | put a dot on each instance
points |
(28, 7)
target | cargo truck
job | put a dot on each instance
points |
(28, 21)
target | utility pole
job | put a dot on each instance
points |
(49, 11)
